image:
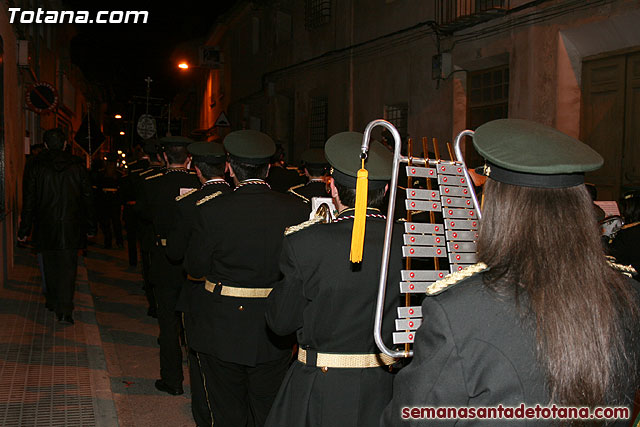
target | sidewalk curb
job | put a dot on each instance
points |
(103, 400)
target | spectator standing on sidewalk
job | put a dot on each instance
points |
(57, 204)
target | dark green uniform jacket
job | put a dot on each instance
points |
(237, 241)
(473, 350)
(626, 246)
(193, 293)
(331, 307)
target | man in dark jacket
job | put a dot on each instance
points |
(57, 203)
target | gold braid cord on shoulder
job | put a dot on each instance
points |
(301, 226)
(322, 215)
(453, 278)
(182, 196)
(209, 197)
(154, 176)
(627, 270)
(292, 191)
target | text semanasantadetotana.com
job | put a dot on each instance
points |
(42, 16)
(516, 412)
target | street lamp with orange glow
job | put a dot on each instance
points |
(118, 116)
(121, 132)
(183, 65)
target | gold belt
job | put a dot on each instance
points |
(332, 360)
(230, 291)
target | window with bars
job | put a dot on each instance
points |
(397, 116)
(316, 13)
(318, 122)
(488, 92)
(488, 99)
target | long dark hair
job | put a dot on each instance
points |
(543, 244)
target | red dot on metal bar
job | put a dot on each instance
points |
(411, 311)
(459, 170)
(412, 287)
(444, 179)
(453, 224)
(455, 246)
(410, 336)
(413, 171)
(437, 228)
(411, 324)
(455, 235)
(413, 227)
(446, 190)
(440, 275)
(412, 275)
(413, 193)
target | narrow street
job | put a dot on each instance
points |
(99, 371)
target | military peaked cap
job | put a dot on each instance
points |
(150, 146)
(314, 157)
(529, 154)
(209, 152)
(343, 154)
(175, 141)
(250, 146)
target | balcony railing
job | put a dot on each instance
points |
(453, 15)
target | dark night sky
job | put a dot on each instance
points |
(119, 56)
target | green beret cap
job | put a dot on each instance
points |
(209, 152)
(529, 154)
(150, 146)
(314, 157)
(343, 154)
(175, 141)
(250, 146)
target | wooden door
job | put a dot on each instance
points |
(631, 148)
(603, 120)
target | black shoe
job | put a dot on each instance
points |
(66, 319)
(152, 312)
(162, 386)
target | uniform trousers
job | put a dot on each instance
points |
(200, 404)
(168, 279)
(130, 224)
(60, 267)
(241, 395)
(110, 218)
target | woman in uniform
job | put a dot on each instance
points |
(544, 318)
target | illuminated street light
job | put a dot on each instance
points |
(119, 151)
(124, 155)
(183, 66)
(121, 132)
(118, 116)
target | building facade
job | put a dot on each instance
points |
(303, 70)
